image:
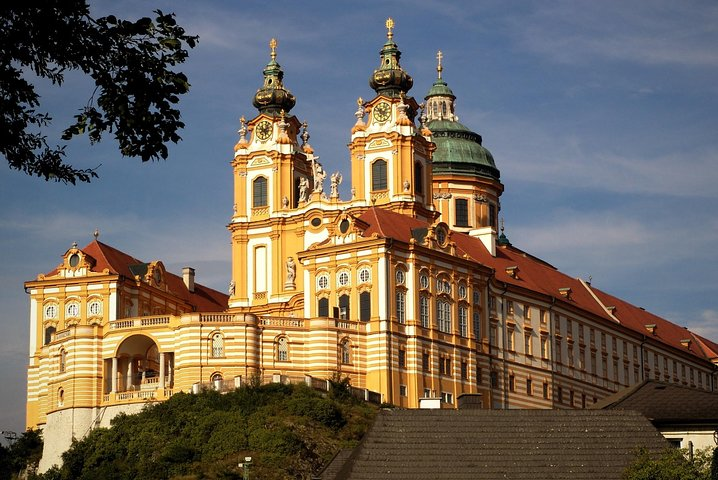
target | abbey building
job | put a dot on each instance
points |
(409, 287)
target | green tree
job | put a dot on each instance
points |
(130, 63)
(671, 464)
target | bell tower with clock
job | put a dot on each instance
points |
(269, 165)
(390, 155)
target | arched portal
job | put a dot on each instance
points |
(138, 365)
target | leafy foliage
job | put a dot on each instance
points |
(290, 431)
(131, 64)
(22, 455)
(671, 464)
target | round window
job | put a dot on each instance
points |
(316, 221)
(343, 279)
(95, 308)
(74, 260)
(51, 311)
(344, 226)
(72, 310)
(364, 275)
(323, 282)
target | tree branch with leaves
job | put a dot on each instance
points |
(131, 63)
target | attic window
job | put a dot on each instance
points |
(611, 309)
(686, 342)
(512, 271)
(565, 292)
(651, 328)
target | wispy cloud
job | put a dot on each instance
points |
(652, 33)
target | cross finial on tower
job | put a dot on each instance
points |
(273, 47)
(389, 27)
(502, 225)
(439, 68)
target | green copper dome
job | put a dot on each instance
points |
(459, 150)
(390, 79)
(273, 98)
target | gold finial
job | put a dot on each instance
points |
(273, 46)
(439, 68)
(360, 101)
(389, 27)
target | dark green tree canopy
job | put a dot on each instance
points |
(136, 90)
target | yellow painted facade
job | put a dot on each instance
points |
(405, 287)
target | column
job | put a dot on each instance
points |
(128, 381)
(162, 370)
(114, 374)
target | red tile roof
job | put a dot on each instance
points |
(538, 276)
(117, 262)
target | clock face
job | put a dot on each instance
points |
(264, 130)
(382, 112)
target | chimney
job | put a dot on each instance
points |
(188, 277)
(487, 235)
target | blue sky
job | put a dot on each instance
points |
(602, 117)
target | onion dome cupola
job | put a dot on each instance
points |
(458, 149)
(390, 79)
(273, 98)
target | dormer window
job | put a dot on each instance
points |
(74, 260)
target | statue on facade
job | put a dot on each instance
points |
(336, 179)
(231, 288)
(319, 176)
(291, 266)
(303, 189)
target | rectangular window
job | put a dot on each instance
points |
(593, 363)
(464, 370)
(400, 306)
(493, 334)
(509, 308)
(427, 393)
(447, 397)
(425, 362)
(544, 316)
(424, 311)
(364, 306)
(510, 345)
(512, 383)
(582, 359)
(527, 312)
(462, 212)
(528, 344)
(544, 347)
(463, 321)
(259, 192)
(477, 325)
(559, 394)
(403, 392)
(494, 379)
(492, 216)
(557, 351)
(570, 355)
(443, 314)
(402, 358)
(479, 377)
(445, 366)
(529, 387)
(545, 390)
(323, 307)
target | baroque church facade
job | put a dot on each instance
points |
(409, 287)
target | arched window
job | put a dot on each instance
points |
(418, 178)
(259, 192)
(60, 397)
(216, 377)
(63, 360)
(364, 306)
(345, 352)
(401, 306)
(424, 311)
(344, 307)
(323, 307)
(49, 332)
(282, 349)
(217, 345)
(378, 175)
